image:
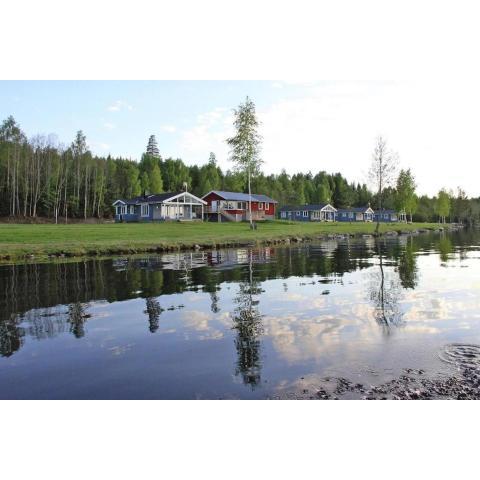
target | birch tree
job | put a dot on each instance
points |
(245, 145)
(382, 172)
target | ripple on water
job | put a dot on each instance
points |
(462, 355)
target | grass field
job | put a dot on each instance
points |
(18, 241)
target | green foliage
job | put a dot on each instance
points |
(39, 177)
(443, 204)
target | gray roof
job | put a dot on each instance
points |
(385, 211)
(290, 208)
(353, 209)
(151, 198)
(242, 197)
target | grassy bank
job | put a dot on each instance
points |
(22, 241)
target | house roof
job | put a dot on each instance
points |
(154, 198)
(354, 209)
(241, 197)
(318, 206)
(385, 211)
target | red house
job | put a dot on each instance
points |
(233, 206)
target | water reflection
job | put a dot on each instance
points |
(247, 322)
(319, 303)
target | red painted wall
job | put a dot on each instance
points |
(213, 196)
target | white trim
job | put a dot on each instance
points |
(170, 199)
(305, 213)
(260, 205)
(114, 204)
(328, 208)
(142, 206)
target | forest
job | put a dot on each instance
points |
(42, 178)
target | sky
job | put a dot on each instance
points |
(305, 125)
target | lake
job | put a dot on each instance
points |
(309, 320)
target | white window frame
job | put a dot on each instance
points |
(260, 205)
(142, 209)
(298, 213)
(267, 205)
(284, 215)
(132, 209)
(305, 213)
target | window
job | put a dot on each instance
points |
(267, 206)
(344, 214)
(239, 205)
(385, 215)
(350, 215)
(284, 214)
(305, 213)
(260, 205)
(145, 209)
(132, 209)
(298, 214)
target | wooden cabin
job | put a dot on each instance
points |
(389, 216)
(234, 206)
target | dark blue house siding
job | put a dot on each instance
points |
(136, 216)
(386, 216)
(346, 217)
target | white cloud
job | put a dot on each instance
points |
(168, 128)
(118, 105)
(109, 126)
(332, 126)
(96, 146)
(208, 135)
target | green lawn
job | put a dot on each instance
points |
(20, 240)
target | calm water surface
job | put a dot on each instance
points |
(266, 322)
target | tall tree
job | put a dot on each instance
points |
(245, 145)
(406, 200)
(382, 171)
(152, 147)
(443, 205)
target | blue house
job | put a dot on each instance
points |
(323, 212)
(355, 214)
(159, 207)
(385, 216)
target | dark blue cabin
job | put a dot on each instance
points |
(159, 207)
(355, 214)
(389, 216)
(323, 212)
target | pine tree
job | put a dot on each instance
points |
(152, 147)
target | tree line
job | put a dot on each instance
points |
(40, 177)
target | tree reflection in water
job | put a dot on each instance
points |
(445, 247)
(153, 310)
(407, 266)
(11, 337)
(77, 315)
(247, 321)
(385, 292)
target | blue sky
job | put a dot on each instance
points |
(119, 116)
(325, 125)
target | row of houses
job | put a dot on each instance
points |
(234, 207)
(327, 212)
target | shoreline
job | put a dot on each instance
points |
(268, 233)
